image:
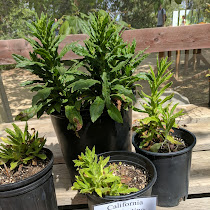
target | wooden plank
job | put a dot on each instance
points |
(157, 39)
(199, 175)
(168, 38)
(192, 204)
(202, 133)
(65, 196)
(22, 47)
(200, 170)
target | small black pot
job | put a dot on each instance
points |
(130, 158)
(173, 169)
(105, 134)
(35, 193)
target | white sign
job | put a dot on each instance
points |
(133, 204)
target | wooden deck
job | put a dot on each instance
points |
(199, 189)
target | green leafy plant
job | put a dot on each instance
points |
(156, 129)
(96, 176)
(53, 85)
(107, 85)
(110, 63)
(21, 147)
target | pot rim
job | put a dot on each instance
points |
(135, 194)
(185, 150)
(31, 179)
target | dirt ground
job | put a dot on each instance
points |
(192, 84)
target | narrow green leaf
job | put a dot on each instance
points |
(127, 92)
(66, 49)
(74, 117)
(106, 90)
(155, 147)
(96, 108)
(98, 191)
(13, 165)
(28, 113)
(25, 160)
(115, 114)
(41, 156)
(41, 95)
(147, 120)
(83, 84)
(172, 140)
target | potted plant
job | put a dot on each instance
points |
(88, 107)
(26, 180)
(108, 177)
(159, 138)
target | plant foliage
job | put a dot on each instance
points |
(107, 85)
(21, 147)
(156, 129)
(56, 83)
(110, 63)
(96, 177)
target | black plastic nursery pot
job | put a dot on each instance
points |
(130, 158)
(34, 193)
(105, 134)
(173, 169)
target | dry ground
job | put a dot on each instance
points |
(196, 89)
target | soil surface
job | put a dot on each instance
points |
(22, 172)
(166, 147)
(132, 176)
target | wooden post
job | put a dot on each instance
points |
(186, 63)
(194, 59)
(198, 57)
(5, 101)
(178, 53)
(169, 58)
(209, 90)
(161, 55)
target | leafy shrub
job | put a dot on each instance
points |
(156, 129)
(21, 147)
(106, 86)
(96, 176)
(110, 63)
(53, 86)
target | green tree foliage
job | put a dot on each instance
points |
(13, 13)
(140, 14)
(137, 13)
(12, 21)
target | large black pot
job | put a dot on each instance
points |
(35, 193)
(105, 134)
(173, 169)
(130, 158)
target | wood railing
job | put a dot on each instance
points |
(163, 39)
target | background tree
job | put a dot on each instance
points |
(137, 13)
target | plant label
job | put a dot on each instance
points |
(148, 203)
